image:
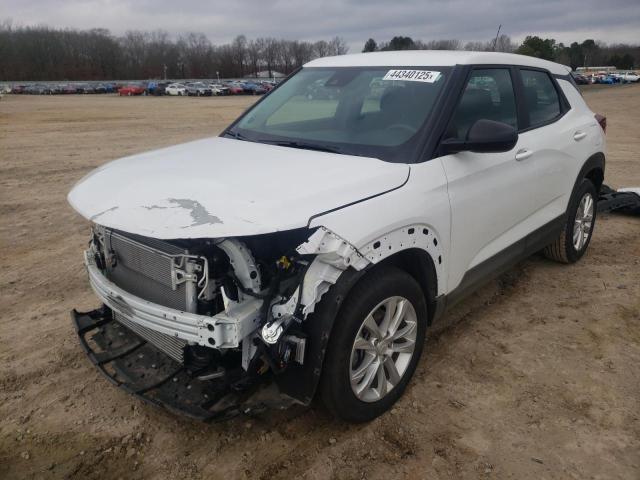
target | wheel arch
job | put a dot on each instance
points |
(301, 381)
(421, 266)
(592, 169)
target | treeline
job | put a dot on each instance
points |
(502, 43)
(43, 53)
(588, 53)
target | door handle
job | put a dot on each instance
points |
(579, 135)
(523, 154)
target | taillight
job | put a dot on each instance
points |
(602, 120)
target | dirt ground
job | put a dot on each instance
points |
(536, 376)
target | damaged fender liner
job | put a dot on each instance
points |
(142, 370)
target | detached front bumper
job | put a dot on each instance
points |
(224, 330)
(139, 368)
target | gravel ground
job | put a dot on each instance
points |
(535, 376)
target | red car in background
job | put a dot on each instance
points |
(131, 90)
(235, 89)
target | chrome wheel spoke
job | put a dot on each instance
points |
(576, 235)
(397, 317)
(392, 372)
(363, 344)
(588, 205)
(390, 307)
(369, 374)
(406, 331)
(382, 381)
(405, 347)
(371, 325)
(361, 370)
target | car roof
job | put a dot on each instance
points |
(440, 58)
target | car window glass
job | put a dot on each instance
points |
(348, 106)
(541, 97)
(488, 95)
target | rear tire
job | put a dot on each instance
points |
(368, 365)
(576, 234)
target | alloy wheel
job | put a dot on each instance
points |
(583, 222)
(383, 348)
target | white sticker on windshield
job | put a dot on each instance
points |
(412, 75)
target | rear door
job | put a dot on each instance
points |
(560, 139)
(491, 194)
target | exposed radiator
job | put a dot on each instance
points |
(172, 346)
(143, 267)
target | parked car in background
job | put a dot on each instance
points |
(605, 80)
(219, 89)
(252, 88)
(100, 88)
(132, 89)
(85, 88)
(249, 88)
(580, 79)
(176, 89)
(627, 77)
(268, 86)
(235, 89)
(69, 89)
(41, 89)
(18, 89)
(260, 90)
(198, 89)
(157, 88)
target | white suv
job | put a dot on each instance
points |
(314, 241)
(176, 89)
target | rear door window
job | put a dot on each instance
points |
(541, 97)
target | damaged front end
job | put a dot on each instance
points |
(203, 326)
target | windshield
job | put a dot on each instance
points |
(370, 111)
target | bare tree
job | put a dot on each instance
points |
(254, 55)
(239, 47)
(270, 54)
(504, 44)
(338, 46)
(321, 48)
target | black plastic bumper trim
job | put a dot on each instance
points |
(174, 389)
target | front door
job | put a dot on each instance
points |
(491, 194)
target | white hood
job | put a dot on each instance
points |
(220, 187)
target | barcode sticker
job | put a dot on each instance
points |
(426, 76)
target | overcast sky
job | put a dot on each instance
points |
(569, 20)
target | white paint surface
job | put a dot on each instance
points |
(220, 187)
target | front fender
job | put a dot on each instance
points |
(301, 381)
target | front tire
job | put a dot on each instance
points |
(375, 346)
(574, 240)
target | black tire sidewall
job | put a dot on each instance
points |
(586, 186)
(372, 289)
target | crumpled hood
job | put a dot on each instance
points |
(220, 187)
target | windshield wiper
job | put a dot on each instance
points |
(237, 135)
(301, 145)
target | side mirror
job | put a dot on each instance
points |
(484, 136)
